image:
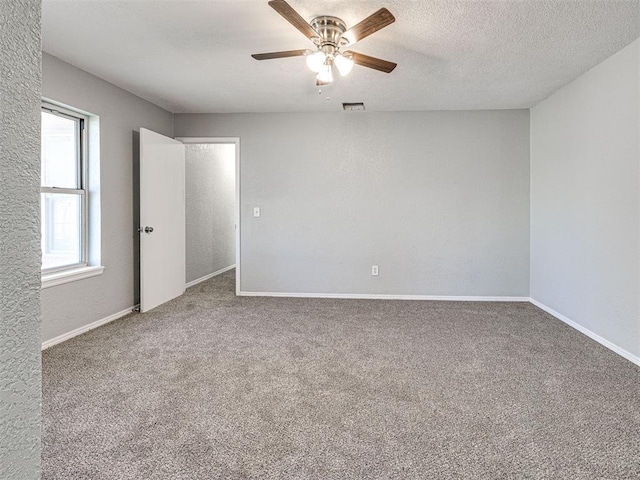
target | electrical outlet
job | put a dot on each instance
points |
(256, 212)
(374, 270)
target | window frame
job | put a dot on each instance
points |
(82, 122)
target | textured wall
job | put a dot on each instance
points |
(121, 116)
(19, 239)
(438, 200)
(210, 203)
(585, 200)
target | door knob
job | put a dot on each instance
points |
(148, 229)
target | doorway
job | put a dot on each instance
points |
(212, 188)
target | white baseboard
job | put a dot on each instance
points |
(365, 296)
(603, 341)
(211, 275)
(594, 336)
(79, 331)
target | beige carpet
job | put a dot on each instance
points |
(212, 386)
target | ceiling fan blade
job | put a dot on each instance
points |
(284, 9)
(372, 62)
(369, 25)
(288, 53)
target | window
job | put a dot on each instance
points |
(69, 195)
(63, 193)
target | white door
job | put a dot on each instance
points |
(162, 219)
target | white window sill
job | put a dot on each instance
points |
(58, 278)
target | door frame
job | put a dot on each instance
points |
(235, 141)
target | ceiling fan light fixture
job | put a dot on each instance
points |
(315, 61)
(343, 63)
(329, 35)
(325, 75)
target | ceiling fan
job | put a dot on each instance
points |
(331, 36)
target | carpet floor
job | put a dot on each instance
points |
(213, 386)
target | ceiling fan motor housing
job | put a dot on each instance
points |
(330, 30)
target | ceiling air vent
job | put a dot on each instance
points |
(353, 107)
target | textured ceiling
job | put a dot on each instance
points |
(194, 56)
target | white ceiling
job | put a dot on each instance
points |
(194, 56)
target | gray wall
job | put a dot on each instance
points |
(438, 200)
(19, 239)
(210, 208)
(73, 305)
(585, 199)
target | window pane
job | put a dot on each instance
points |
(59, 151)
(61, 227)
